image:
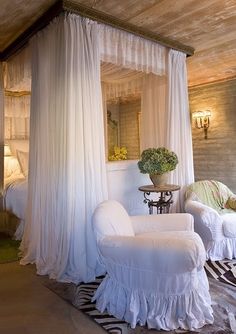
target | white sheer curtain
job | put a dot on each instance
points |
(120, 81)
(178, 123)
(130, 51)
(153, 115)
(17, 113)
(17, 71)
(67, 160)
(17, 106)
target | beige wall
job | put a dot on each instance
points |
(215, 157)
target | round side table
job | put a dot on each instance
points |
(165, 198)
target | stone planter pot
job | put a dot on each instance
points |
(159, 179)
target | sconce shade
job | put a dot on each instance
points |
(205, 113)
(7, 150)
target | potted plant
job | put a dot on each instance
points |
(157, 162)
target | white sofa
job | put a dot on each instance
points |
(154, 266)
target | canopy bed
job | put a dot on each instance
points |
(67, 162)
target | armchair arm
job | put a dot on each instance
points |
(167, 254)
(207, 222)
(163, 222)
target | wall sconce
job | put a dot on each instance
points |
(202, 120)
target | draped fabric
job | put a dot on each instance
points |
(178, 124)
(153, 115)
(17, 106)
(67, 161)
(17, 74)
(17, 113)
(130, 51)
(120, 81)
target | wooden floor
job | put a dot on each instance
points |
(28, 307)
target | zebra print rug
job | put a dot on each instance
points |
(223, 271)
(223, 297)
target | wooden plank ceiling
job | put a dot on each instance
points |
(209, 26)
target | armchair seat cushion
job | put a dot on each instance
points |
(175, 251)
(229, 225)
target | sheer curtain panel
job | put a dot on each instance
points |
(179, 132)
(127, 50)
(153, 115)
(67, 160)
(17, 113)
(17, 71)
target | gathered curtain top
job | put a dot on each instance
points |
(130, 51)
(115, 47)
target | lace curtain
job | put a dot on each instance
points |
(17, 113)
(17, 71)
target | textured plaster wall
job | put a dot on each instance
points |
(129, 128)
(215, 157)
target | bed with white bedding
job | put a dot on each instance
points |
(15, 182)
(15, 201)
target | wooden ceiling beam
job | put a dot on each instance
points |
(93, 14)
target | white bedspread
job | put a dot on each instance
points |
(15, 201)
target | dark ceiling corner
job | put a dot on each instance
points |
(83, 10)
(22, 40)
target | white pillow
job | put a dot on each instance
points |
(23, 158)
(11, 167)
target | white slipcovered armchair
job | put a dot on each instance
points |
(154, 266)
(213, 206)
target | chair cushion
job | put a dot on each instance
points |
(110, 218)
(229, 225)
(176, 251)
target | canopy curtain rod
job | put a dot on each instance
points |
(89, 12)
(16, 93)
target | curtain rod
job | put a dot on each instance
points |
(89, 12)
